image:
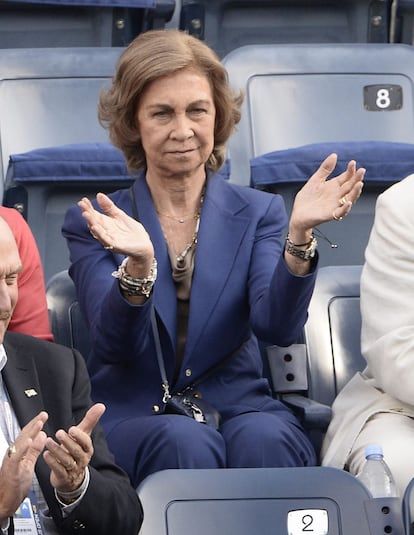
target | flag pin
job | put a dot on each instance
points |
(30, 392)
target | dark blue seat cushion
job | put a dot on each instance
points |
(83, 162)
(68, 163)
(384, 161)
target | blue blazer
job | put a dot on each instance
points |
(241, 290)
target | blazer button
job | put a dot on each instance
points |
(188, 372)
(155, 408)
(77, 524)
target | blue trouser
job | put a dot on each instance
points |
(147, 444)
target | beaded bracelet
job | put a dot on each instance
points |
(132, 286)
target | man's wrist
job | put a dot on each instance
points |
(69, 498)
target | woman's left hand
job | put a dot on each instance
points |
(71, 453)
(321, 200)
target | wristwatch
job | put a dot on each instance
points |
(303, 254)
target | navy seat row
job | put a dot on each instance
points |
(223, 24)
(226, 25)
(295, 95)
(42, 184)
(302, 102)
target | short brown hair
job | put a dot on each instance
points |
(149, 56)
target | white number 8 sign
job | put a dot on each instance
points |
(383, 98)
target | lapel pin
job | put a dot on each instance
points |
(30, 392)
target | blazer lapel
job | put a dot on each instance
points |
(22, 383)
(221, 232)
(21, 379)
(165, 302)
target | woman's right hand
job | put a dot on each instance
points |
(120, 233)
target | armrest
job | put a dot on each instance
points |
(312, 414)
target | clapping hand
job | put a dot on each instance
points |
(71, 452)
(17, 469)
(321, 200)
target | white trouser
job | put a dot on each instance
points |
(395, 433)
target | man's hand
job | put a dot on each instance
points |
(17, 469)
(72, 451)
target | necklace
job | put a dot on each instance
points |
(181, 256)
(179, 219)
(191, 244)
(187, 217)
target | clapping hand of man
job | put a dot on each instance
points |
(17, 469)
(70, 454)
(67, 457)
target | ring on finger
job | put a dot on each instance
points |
(71, 467)
(11, 450)
(342, 200)
(108, 247)
(335, 217)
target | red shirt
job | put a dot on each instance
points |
(30, 315)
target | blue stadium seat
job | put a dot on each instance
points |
(228, 24)
(75, 23)
(402, 22)
(286, 171)
(264, 501)
(42, 184)
(66, 319)
(329, 355)
(297, 94)
(332, 332)
(48, 97)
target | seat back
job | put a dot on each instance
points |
(332, 332)
(317, 500)
(48, 97)
(226, 24)
(42, 184)
(286, 171)
(307, 376)
(402, 22)
(297, 94)
(66, 319)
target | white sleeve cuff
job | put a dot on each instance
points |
(79, 493)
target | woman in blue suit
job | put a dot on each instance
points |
(202, 253)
